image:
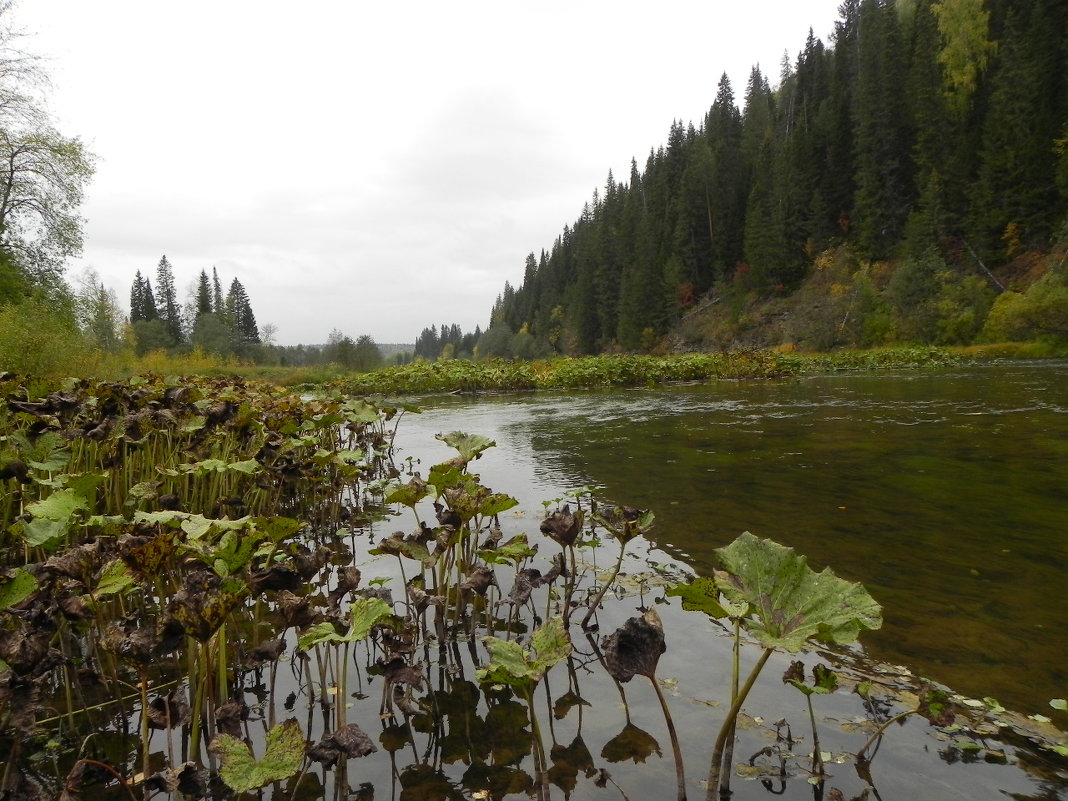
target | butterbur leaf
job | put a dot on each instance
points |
(700, 595)
(515, 550)
(365, 614)
(479, 579)
(550, 643)
(169, 711)
(268, 651)
(511, 664)
(507, 665)
(563, 525)
(16, 587)
(625, 522)
(469, 446)
(204, 601)
(795, 675)
(114, 577)
(242, 772)
(790, 603)
(635, 647)
(409, 494)
(824, 680)
(935, 706)
(347, 742)
(324, 631)
(59, 505)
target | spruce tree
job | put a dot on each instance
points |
(167, 302)
(240, 317)
(218, 303)
(204, 296)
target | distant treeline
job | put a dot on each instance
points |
(935, 132)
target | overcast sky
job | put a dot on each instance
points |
(376, 167)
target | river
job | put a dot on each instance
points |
(945, 492)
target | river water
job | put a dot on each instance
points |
(945, 492)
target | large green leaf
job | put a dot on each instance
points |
(16, 587)
(511, 664)
(700, 595)
(790, 603)
(241, 770)
(470, 446)
(59, 505)
(364, 615)
(550, 643)
(114, 577)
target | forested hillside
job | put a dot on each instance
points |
(890, 187)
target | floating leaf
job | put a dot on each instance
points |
(242, 772)
(790, 602)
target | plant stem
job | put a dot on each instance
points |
(604, 587)
(817, 758)
(879, 732)
(680, 776)
(716, 766)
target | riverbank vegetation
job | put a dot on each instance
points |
(200, 592)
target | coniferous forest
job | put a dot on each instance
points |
(905, 182)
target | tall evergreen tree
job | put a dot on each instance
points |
(142, 300)
(883, 175)
(239, 314)
(1015, 201)
(218, 303)
(167, 306)
(204, 296)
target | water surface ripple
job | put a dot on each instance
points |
(944, 492)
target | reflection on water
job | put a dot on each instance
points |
(943, 492)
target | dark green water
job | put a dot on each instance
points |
(944, 492)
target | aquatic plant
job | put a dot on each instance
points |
(635, 649)
(773, 595)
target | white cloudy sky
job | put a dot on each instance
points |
(376, 167)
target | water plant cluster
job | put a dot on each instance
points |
(200, 599)
(623, 370)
